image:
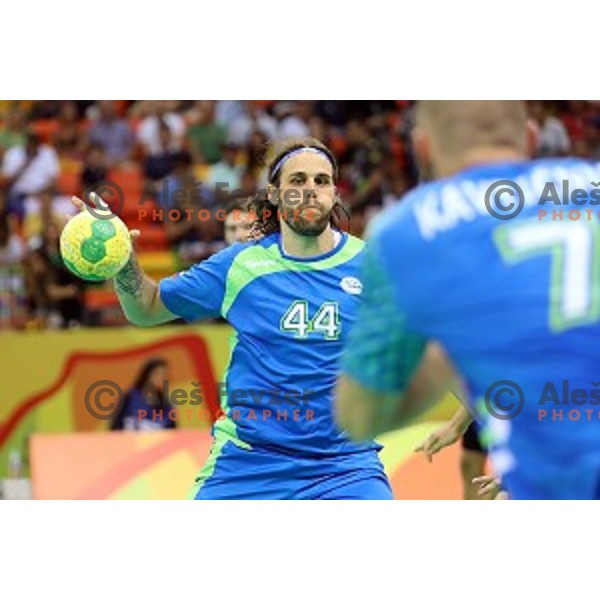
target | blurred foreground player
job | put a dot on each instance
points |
(291, 297)
(511, 296)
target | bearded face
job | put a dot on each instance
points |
(306, 195)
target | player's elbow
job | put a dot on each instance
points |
(136, 321)
(142, 323)
(139, 313)
(138, 318)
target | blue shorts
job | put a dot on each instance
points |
(235, 473)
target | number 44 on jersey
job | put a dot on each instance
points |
(326, 321)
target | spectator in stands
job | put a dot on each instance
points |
(70, 138)
(290, 119)
(94, 167)
(151, 131)
(145, 406)
(11, 245)
(394, 188)
(43, 211)
(594, 140)
(254, 118)
(248, 184)
(361, 169)
(227, 111)
(553, 139)
(255, 152)
(205, 135)
(192, 237)
(13, 131)
(224, 177)
(27, 170)
(112, 134)
(180, 189)
(44, 109)
(53, 294)
(36, 273)
(318, 129)
(363, 159)
(576, 116)
(159, 163)
(581, 148)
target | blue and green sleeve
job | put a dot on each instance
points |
(198, 292)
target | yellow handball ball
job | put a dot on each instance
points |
(95, 249)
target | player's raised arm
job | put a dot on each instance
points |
(137, 292)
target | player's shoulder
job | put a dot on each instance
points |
(262, 248)
(255, 254)
(239, 250)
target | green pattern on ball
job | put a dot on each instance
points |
(87, 276)
(103, 230)
(93, 250)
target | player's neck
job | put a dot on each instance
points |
(479, 156)
(304, 246)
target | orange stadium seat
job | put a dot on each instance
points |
(69, 183)
(45, 129)
(130, 180)
(131, 211)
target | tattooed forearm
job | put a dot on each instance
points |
(139, 297)
(130, 279)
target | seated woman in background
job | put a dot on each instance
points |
(145, 407)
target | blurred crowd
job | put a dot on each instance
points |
(51, 149)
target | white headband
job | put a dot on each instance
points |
(295, 152)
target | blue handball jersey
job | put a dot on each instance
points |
(291, 317)
(514, 301)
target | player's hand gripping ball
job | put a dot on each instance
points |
(95, 249)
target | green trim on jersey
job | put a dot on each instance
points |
(209, 466)
(226, 428)
(258, 261)
(233, 341)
